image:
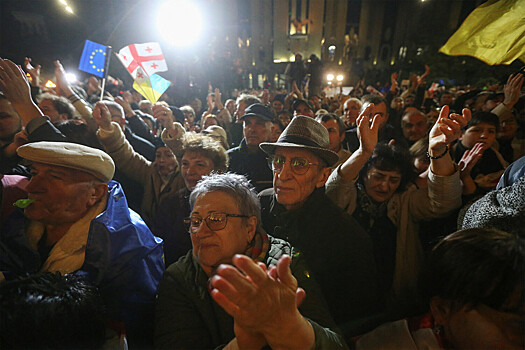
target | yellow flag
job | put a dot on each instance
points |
(494, 33)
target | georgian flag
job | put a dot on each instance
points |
(146, 56)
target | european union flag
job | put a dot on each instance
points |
(93, 59)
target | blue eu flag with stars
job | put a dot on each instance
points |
(93, 59)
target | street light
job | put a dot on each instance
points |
(330, 77)
(179, 22)
(340, 78)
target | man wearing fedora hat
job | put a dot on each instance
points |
(248, 159)
(76, 220)
(337, 250)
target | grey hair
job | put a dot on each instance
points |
(187, 109)
(248, 99)
(234, 185)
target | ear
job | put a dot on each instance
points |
(98, 191)
(251, 225)
(441, 310)
(323, 177)
(63, 117)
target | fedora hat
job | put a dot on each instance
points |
(304, 133)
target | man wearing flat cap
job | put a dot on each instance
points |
(337, 250)
(248, 159)
(76, 220)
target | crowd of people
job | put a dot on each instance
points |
(280, 218)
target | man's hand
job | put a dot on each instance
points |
(262, 302)
(63, 86)
(102, 116)
(34, 72)
(512, 90)
(367, 131)
(128, 111)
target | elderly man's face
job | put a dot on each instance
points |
(256, 130)
(10, 122)
(292, 189)
(351, 112)
(62, 195)
(414, 125)
(212, 248)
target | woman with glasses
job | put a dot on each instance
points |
(373, 186)
(225, 221)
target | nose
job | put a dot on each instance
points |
(384, 185)
(35, 185)
(484, 134)
(286, 171)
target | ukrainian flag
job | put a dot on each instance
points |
(151, 87)
(494, 33)
(93, 59)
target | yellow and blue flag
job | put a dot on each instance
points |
(151, 87)
(93, 59)
(494, 33)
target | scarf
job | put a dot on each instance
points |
(258, 247)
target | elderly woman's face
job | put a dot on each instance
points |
(193, 167)
(380, 185)
(212, 248)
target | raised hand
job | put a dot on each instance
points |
(218, 99)
(34, 72)
(102, 116)
(128, 111)
(512, 90)
(470, 158)
(367, 129)
(421, 79)
(63, 86)
(447, 129)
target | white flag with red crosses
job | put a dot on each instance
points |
(146, 56)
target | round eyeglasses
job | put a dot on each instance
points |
(298, 165)
(215, 221)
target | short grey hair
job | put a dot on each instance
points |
(187, 109)
(248, 99)
(234, 185)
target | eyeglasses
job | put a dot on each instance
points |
(215, 221)
(298, 165)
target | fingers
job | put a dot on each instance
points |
(443, 114)
(300, 295)
(224, 302)
(250, 268)
(284, 272)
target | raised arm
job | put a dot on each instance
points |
(446, 130)
(367, 134)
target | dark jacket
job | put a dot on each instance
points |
(336, 248)
(168, 224)
(253, 165)
(187, 317)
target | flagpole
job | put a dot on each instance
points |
(106, 67)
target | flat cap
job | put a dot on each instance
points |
(258, 110)
(70, 155)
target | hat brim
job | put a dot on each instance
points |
(330, 157)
